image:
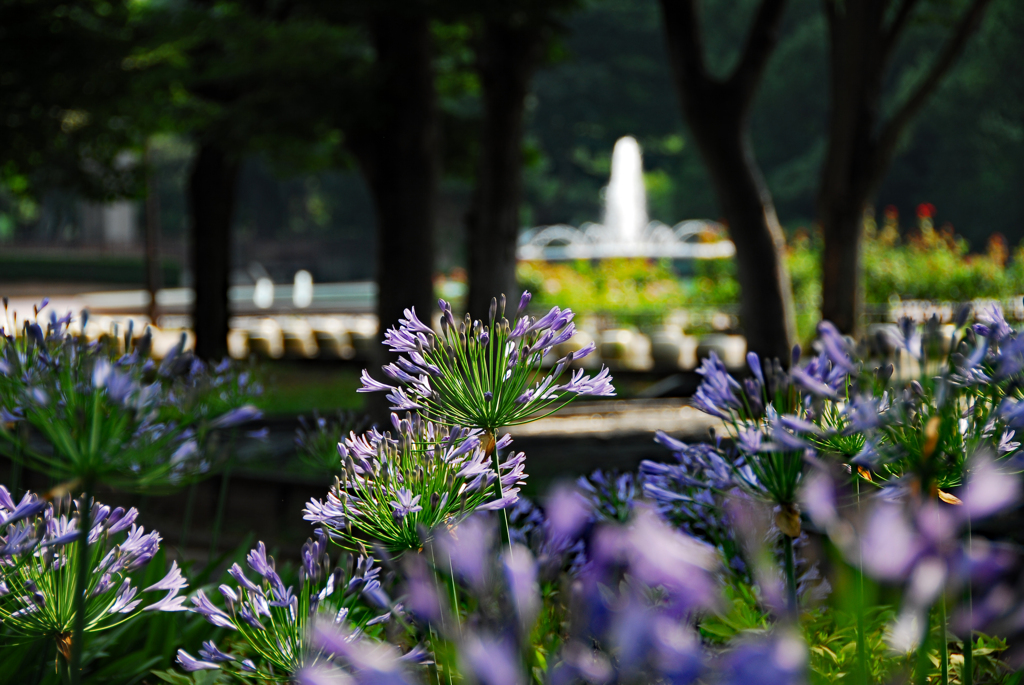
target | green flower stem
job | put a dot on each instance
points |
(862, 652)
(943, 645)
(790, 561)
(63, 671)
(967, 676)
(78, 631)
(923, 662)
(493, 451)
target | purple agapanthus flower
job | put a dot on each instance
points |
(660, 557)
(432, 374)
(394, 484)
(354, 658)
(716, 394)
(778, 660)
(267, 614)
(192, 664)
(38, 539)
(919, 543)
(406, 503)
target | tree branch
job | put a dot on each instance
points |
(761, 41)
(894, 128)
(896, 27)
(685, 40)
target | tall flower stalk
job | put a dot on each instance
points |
(398, 485)
(42, 552)
(106, 417)
(274, 621)
(485, 375)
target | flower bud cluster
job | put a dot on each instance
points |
(112, 416)
(485, 374)
(398, 485)
(276, 622)
(40, 543)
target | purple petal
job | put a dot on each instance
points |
(989, 489)
(190, 663)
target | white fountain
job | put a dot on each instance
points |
(626, 231)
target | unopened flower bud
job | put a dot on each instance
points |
(787, 520)
(931, 437)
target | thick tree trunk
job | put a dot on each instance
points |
(850, 174)
(211, 193)
(506, 58)
(766, 300)
(718, 112)
(401, 161)
(399, 153)
(862, 39)
(841, 278)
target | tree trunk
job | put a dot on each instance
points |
(718, 113)
(849, 175)
(506, 59)
(862, 40)
(841, 278)
(399, 154)
(153, 275)
(211, 193)
(400, 157)
(766, 300)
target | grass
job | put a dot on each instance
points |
(293, 388)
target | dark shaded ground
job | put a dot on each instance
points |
(266, 486)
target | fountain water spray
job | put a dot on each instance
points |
(625, 212)
(626, 231)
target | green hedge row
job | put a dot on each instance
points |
(100, 269)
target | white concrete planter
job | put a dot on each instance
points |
(624, 348)
(671, 349)
(731, 349)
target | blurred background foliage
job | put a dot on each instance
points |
(923, 263)
(965, 153)
(605, 76)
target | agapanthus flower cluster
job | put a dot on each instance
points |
(357, 659)
(921, 429)
(397, 486)
(612, 495)
(485, 374)
(553, 533)
(773, 399)
(920, 543)
(691, 494)
(627, 615)
(40, 545)
(274, 621)
(767, 418)
(120, 418)
(477, 601)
